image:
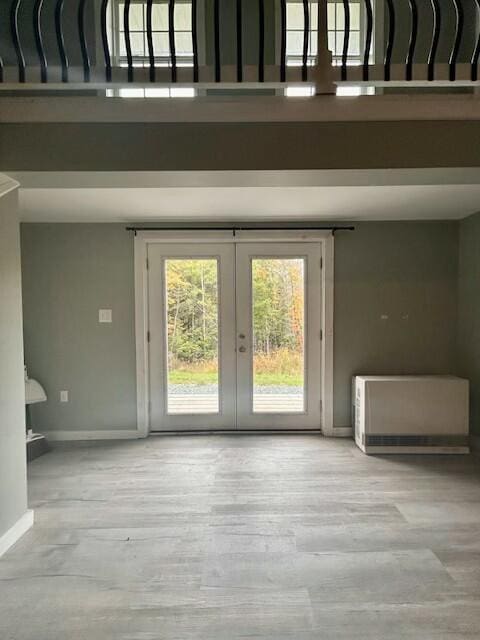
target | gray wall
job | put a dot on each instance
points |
(204, 146)
(469, 313)
(408, 272)
(13, 483)
(72, 270)
(69, 273)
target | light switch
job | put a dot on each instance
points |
(105, 315)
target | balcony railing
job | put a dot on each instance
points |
(101, 44)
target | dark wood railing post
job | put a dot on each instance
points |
(322, 71)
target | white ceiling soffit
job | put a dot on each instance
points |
(204, 179)
(250, 203)
(385, 194)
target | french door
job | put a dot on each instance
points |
(234, 335)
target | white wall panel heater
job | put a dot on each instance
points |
(411, 414)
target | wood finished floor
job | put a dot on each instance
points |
(258, 537)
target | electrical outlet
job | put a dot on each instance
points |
(63, 396)
(105, 316)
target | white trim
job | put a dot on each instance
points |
(7, 184)
(283, 235)
(327, 326)
(141, 328)
(119, 434)
(143, 238)
(21, 526)
(213, 236)
(182, 237)
(342, 432)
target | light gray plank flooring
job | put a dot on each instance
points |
(232, 537)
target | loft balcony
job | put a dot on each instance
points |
(253, 85)
(186, 48)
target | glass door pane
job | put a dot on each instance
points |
(191, 290)
(278, 342)
(278, 312)
(191, 336)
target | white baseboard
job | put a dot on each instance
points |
(120, 434)
(22, 525)
(133, 434)
(342, 432)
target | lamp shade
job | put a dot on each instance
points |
(34, 392)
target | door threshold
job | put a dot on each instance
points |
(237, 432)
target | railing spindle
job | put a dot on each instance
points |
(418, 32)
(283, 40)
(368, 37)
(432, 54)
(60, 39)
(476, 51)
(306, 40)
(195, 40)
(83, 40)
(390, 39)
(216, 27)
(151, 49)
(171, 38)
(413, 38)
(14, 9)
(106, 46)
(128, 43)
(459, 20)
(261, 41)
(239, 38)
(346, 38)
(37, 29)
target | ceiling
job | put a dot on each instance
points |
(248, 196)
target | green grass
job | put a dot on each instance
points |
(279, 380)
(282, 368)
(182, 376)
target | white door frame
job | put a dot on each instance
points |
(144, 238)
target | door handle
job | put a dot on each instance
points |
(242, 349)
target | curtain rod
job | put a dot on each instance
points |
(235, 228)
